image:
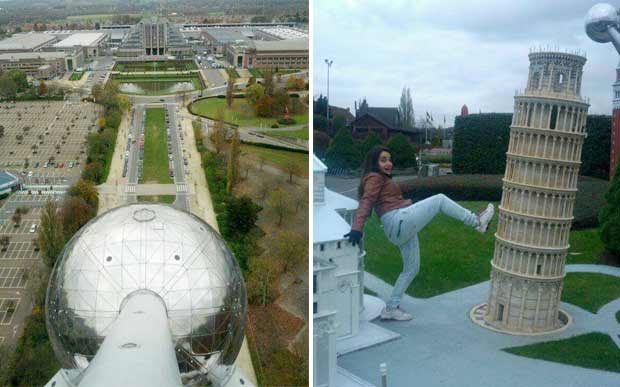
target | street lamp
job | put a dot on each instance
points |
(329, 65)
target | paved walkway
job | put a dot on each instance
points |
(442, 347)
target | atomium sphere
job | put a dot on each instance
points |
(154, 247)
(598, 20)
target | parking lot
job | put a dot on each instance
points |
(19, 254)
(45, 142)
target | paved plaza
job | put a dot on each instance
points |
(441, 346)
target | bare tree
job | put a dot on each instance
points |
(292, 168)
(279, 203)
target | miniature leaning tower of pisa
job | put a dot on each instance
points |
(535, 215)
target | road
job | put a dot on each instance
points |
(181, 201)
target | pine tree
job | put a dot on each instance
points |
(609, 216)
(342, 152)
(403, 153)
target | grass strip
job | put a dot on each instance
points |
(156, 168)
(593, 350)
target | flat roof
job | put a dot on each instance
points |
(281, 45)
(81, 39)
(226, 35)
(25, 41)
(7, 179)
(32, 55)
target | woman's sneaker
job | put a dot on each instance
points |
(484, 218)
(395, 314)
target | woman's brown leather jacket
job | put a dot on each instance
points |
(380, 193)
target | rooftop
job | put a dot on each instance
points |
(31, 55)
(81, 39)
(225, 35)
(285, 32)
(281, 45)
(26, 41)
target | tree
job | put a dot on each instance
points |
(8, 87)
(17, 218)
(86, 190)
(1, 130)
(241, 214)
(321, 143)
(93, 171)
(279, 204)
(254, 93)
(320, 123)
(101, 122)
(4, 242)
(42, 88)
(51, 238)
(609, 216)
(268, 81)
(405, 109)
(403, 153)
(232, 174)
(97, 92)
(371, 139)
(338, 122)
(281, 100)
(290, 247)
(264, 106)
(217, 133)
(342, 152)
(230, 87)
(292, 168)
(320, 106)
(20, 79)
(75, 214)
(261, 280)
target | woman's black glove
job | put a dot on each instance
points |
(354, 237)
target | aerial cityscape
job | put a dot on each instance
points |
(154, 193)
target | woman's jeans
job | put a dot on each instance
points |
(401, 227)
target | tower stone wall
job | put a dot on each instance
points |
(540, 183)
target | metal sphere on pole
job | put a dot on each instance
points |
(329, 65)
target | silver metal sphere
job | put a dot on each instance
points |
(154, 247)
(598, 19)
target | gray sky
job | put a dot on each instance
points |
(450, 52)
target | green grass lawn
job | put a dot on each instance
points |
(240, 113)
(257, 73)
(155, 148)
(300, 133)
(169, 199)
(592, 350)
(278, 158)
(590, 291)
(76, 75)
(454, 255)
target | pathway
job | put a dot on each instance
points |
(442, 347)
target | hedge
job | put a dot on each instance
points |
(590, 196)
(481, 141)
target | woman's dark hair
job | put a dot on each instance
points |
(371, 164)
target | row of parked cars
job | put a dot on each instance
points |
(169, 136)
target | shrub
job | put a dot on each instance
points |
(589, 200)
(342, 152)
(595, 154)
(610, 216)
(275, 126)
(403, 153)
(287, 121)
(480, 143)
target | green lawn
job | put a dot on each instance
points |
(454, 255)
(299, 133)
(590, 291)
(592, 350)
(155, 148)
(278, 158)
(257, 73)
(241, 113)
(76, 75)
(169, 199)
(174, 65)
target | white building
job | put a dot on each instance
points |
(341, 311)
(92, 43)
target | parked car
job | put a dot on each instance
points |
(62, 165)
(33, 228)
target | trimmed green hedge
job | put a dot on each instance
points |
(590, 195)
(481, 141)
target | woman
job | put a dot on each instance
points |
(402, 220)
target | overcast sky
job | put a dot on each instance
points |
(450, 52)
